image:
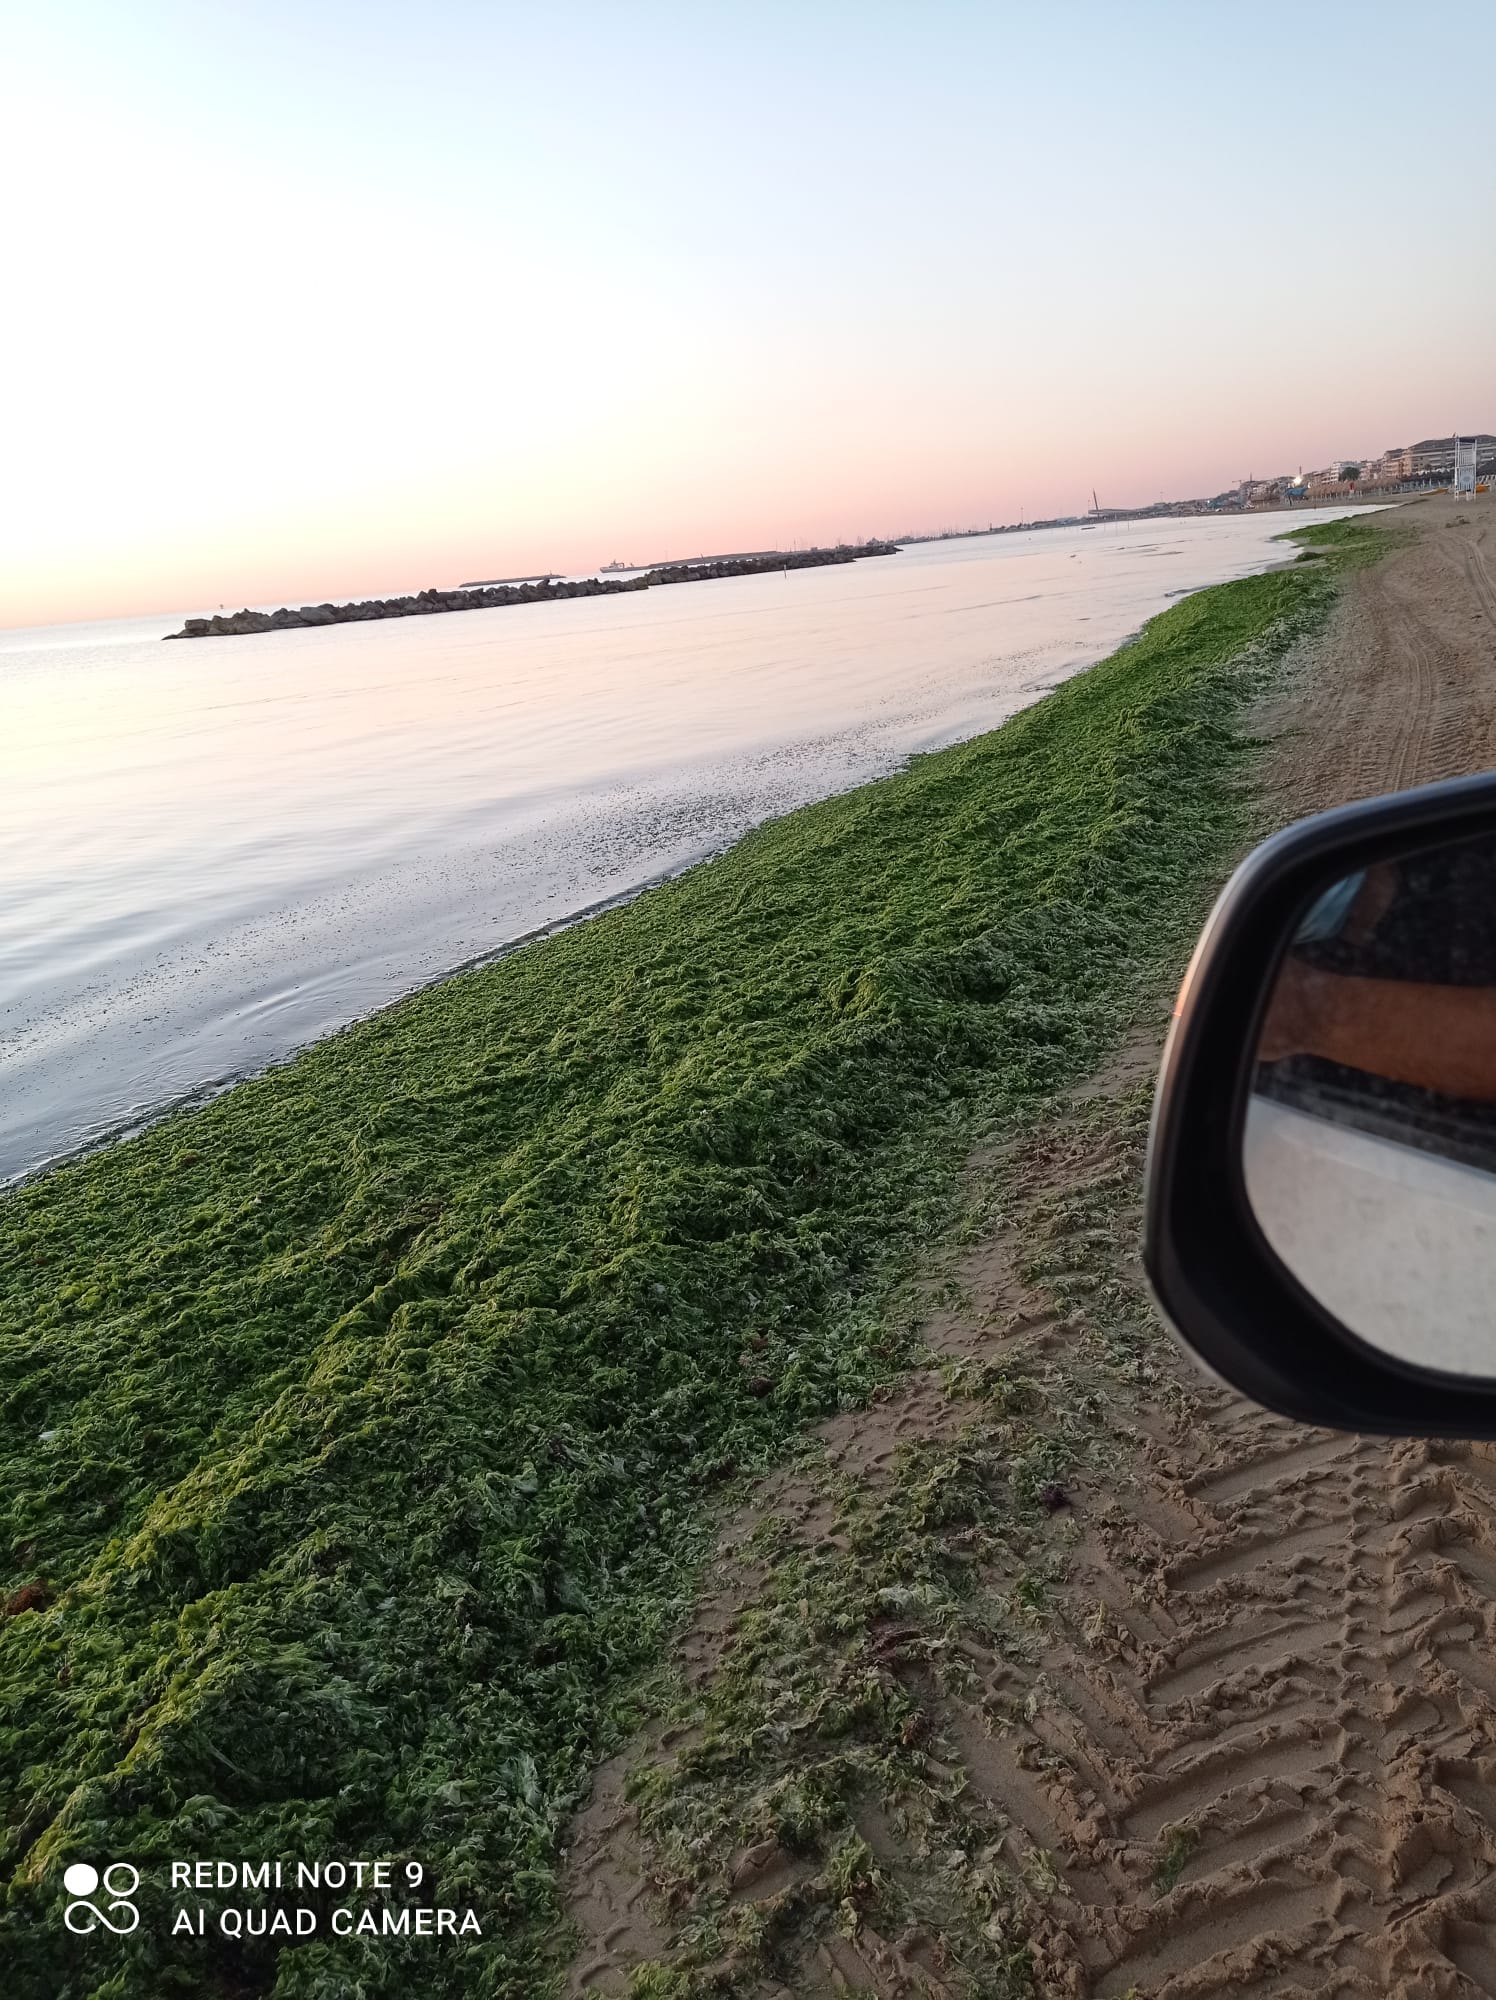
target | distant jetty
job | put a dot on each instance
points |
(544, 591)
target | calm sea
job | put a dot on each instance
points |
(216, 851)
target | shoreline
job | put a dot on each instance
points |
(138, 1121)
(209, 1092)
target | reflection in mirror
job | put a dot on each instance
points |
(1369, 1149)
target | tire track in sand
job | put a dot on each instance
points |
(1401, 689)
(1310, 1803)
(1270, 1766)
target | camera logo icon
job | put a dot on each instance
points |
(119, 1914)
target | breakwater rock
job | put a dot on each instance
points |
(490, 597)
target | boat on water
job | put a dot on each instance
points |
(613, 568)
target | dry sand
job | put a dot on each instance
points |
(1283, 1639)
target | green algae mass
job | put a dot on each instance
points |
(361, 1430)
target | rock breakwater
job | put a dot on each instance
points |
(491, 597)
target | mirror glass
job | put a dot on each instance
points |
(1369, 1148)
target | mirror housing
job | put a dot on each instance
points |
(1227, 1295)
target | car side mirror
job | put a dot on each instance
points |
(1321, 1190)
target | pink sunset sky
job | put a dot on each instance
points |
(327, 300)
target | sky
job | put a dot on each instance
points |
(338, 297)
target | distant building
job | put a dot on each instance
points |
(1429, 457)
(1434, 458)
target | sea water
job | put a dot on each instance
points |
(217, 850)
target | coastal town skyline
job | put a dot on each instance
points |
(318, 307)
(1370, 476)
